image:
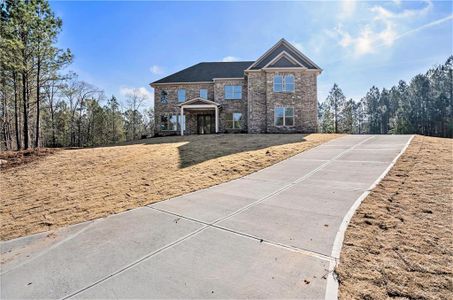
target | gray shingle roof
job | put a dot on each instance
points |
(207, 71)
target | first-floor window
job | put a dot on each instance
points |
(233, 120)
(284, 116)
(169, 122)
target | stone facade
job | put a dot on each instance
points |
(231, 105)
(258, 102)
(303, 100)
(263, 101)
(171, 107)
(257, 105)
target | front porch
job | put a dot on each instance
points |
(201, 115)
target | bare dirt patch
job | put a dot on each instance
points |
(11, 159)
(73, 186)
(399, 243)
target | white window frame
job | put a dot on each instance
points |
(279, 84)
(283, 85)
(227, 121)
(284, 116)
(236, 92)
(181, 97)
(286, 90)
(171, 125)
(206, 94)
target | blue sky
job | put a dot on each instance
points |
(119, 46)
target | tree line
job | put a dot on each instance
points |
(422, 106)
(40, 104)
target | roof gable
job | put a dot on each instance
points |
(276, 50)
(198, 101)
(284, 60)
(283, 63)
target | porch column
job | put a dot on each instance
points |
(180, 120)
(216, 119)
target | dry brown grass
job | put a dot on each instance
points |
(11, 159)
(399, 242)
(73, 186)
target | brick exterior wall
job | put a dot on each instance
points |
(171, 107)
(263, 100)
(257, 104)
(303, 99)
(231, 105)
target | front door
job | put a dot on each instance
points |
(205, 124)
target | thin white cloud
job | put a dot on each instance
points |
(230, 58)
(385, 14)
(156, 70)
(428, 25)
(347, 8)
(381, 30)
(140, 91)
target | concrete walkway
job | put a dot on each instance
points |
(276, 233)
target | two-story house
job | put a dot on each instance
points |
(277, 93)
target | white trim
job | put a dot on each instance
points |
(177, 83)
(280, 56)
(288, 69)
(232, 78)
(233, 88)
(216, 119)
(301, 54)
(200, 106)
(179, 121)
(284, 116)
(183, 90)
(232, 120)
(253, 71)
(283, 76)
(332, 282)
(265, 54)
(182, 114)
(207, 93)
(188, 102)
(285, 42)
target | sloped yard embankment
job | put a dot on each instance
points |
(399, 243)
(72, 186)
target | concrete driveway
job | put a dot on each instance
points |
(276, 233)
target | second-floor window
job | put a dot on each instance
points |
(163, 97)
(284, 83)
(204, 93)
(233, 92)
(181, 95)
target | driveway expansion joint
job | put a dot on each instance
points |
(222, 219)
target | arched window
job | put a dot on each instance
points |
(284, 84)
(289, 83)
(278, 83)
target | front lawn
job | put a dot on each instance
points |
(399, 243)
(72, 186)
